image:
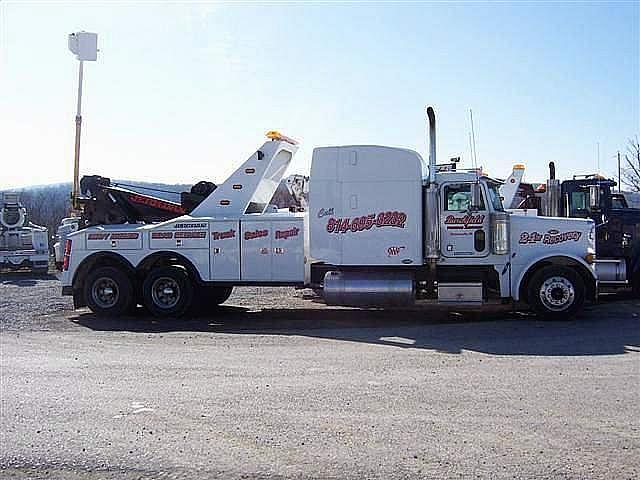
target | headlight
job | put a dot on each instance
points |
(500, 233)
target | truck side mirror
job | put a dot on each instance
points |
(594, 197)
(476, 196)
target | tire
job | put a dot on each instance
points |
(556, 293)
(167, 291)
(108, 291)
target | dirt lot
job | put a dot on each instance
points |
(276, 386)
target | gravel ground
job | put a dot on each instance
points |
(276, 386)
(29, 302)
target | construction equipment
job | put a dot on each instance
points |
(376, 234)
(592, 196)
(23, 245)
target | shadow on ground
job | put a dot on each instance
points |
(24, 279)
(604, 329)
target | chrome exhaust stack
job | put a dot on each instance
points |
(552, 196)
(431, 221)
(431, 116)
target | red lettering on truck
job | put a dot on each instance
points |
(255, 234)
(154, 202)
(466, 221)
(224, 235)
(552, 237)
(284, 234)
(366, 222)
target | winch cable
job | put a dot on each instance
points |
(145, 188)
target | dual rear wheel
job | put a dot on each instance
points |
(166, 292)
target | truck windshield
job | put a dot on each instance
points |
(494, 196)
(579, 204)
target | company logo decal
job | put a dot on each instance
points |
(284, 234)
(255, 234)
(154, 202)
(97, 236)
(222, 235)
(366, 222)
(190, 235)
(467, 221)
(124, 236)
(190, 225)
(552, 237)
(113, 236)
(324, 212)
(395, 250)
(161, 235)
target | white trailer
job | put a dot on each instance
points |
(378, 232)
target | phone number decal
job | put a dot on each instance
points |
(366, 222)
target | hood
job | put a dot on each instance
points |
(567, 236)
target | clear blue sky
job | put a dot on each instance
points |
(183, 92)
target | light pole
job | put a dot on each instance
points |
(85, 47)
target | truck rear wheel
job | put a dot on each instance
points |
(167, 291)
(108, 291)
(556, 292)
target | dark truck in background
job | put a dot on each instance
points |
(617, 225)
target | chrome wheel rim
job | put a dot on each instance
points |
(557, 293)
(105, 292)
(165, 292)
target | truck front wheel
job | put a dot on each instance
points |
(108, 291)
(556, 292)
(167, 291)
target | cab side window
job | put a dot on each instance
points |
(457, 197)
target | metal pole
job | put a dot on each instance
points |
(76, 163)
(619, 179)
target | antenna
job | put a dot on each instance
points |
(471, 148)
(598, 156)
(474, 151)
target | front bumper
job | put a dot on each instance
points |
(23, 258)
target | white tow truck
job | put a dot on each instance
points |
(380, 230)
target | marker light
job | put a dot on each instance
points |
(67, 255)
(518, 166)
(275, 135)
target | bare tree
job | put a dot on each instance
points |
(46, 206)
(631, 170)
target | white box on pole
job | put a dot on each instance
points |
(84, 45)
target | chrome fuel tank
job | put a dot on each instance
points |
(372, 288)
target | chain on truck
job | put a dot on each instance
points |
(378, 232)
